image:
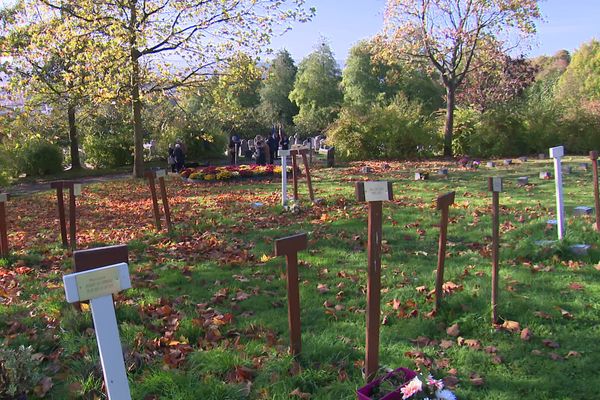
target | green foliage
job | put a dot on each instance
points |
(19, 372)
(581, 79)
(39, 158)
(317, 91)
(108, 141)
(397, 130)
(275, 105)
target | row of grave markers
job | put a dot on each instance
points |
(101, 272)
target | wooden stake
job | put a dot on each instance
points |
(150, 175)
(308, 181)
(3, 226)
(60, 201)
(165, 202)
(443, 203)
(72, 217)
(290, 246)
(374, 193)
(594, 158)
(495, 186)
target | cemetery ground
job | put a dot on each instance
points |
(207, 316)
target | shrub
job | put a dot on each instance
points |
(109, 150)
(39, 158)
(19, 372)
(396, 130)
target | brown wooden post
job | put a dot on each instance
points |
(165, 201)
(495, 186)
(308, 181)
(443, 203)
(294, 173)
(3, 226)
(594, 158)
(374, 193)
(60, 201)
(150, 175)
(290, 246)
(85, 260)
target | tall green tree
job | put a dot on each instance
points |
(448, 34)
(275, 105)
(317, 91)
(581, 79)
(173, 43)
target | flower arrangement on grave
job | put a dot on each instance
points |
(229, 172)
(405, 384)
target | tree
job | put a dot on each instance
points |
(317, 90)
(172, 43)
(275, 105)
(581, 79)
(448, 34)
(496, 79)
(367, 79)
(48, 70)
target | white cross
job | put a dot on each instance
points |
(284, 154)
(98, 286)
(557, 153)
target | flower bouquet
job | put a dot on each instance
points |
(405, 384)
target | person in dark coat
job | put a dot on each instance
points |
(232, 148)
(179, 157)
(171, 158)
(273, 144)
(284, 140)
(261, 150)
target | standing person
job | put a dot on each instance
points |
(233, 143)
(273, 144)
(179, 156)
(261, 154)
(284, 141)
(171, 158)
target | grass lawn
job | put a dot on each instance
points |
(207, 315)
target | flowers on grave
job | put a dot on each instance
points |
(405, 384)
(229, 172)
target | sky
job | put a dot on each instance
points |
(566, 25)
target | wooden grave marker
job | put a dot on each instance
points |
(160, 175)
(495, 186)
(4, 197)
(557, 153)
(443, 204)
(74, 192)
(97, 286)
(301, 151)
(374, 193)
(594, 158)
(289, 247)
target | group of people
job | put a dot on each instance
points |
(176, 158)
(263, 151)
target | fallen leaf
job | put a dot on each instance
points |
(297, 393)
(446, 344)
(322, 288)
(526, 334)
(573, 354)
(550, 343)
(511, 326)
(476, 379)
(453, 330)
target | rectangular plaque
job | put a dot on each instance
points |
(376, 191)
(284, 153)
(496, 184)
(77, 189)
(98, 283)
(161, 173)
(557, 152)
(3, 198)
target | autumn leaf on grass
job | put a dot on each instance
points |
(511, 326)
(476, 379)
(322, 288)
(453, 330)
(446, 344)
(265, 258)
(573, 354)
(576, 286)
(451, 287)
(565, 313)
(550, 343)
(542, 314)
(297, 393)
(241, 296)
(526, 334)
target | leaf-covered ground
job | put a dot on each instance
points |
(207, 316)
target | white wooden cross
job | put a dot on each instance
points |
(98, 286)
(284, 155)
(557, 153)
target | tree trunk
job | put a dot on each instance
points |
(449, 125)
(136, 103)
(73, 138)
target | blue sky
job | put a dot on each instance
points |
(566, 25)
